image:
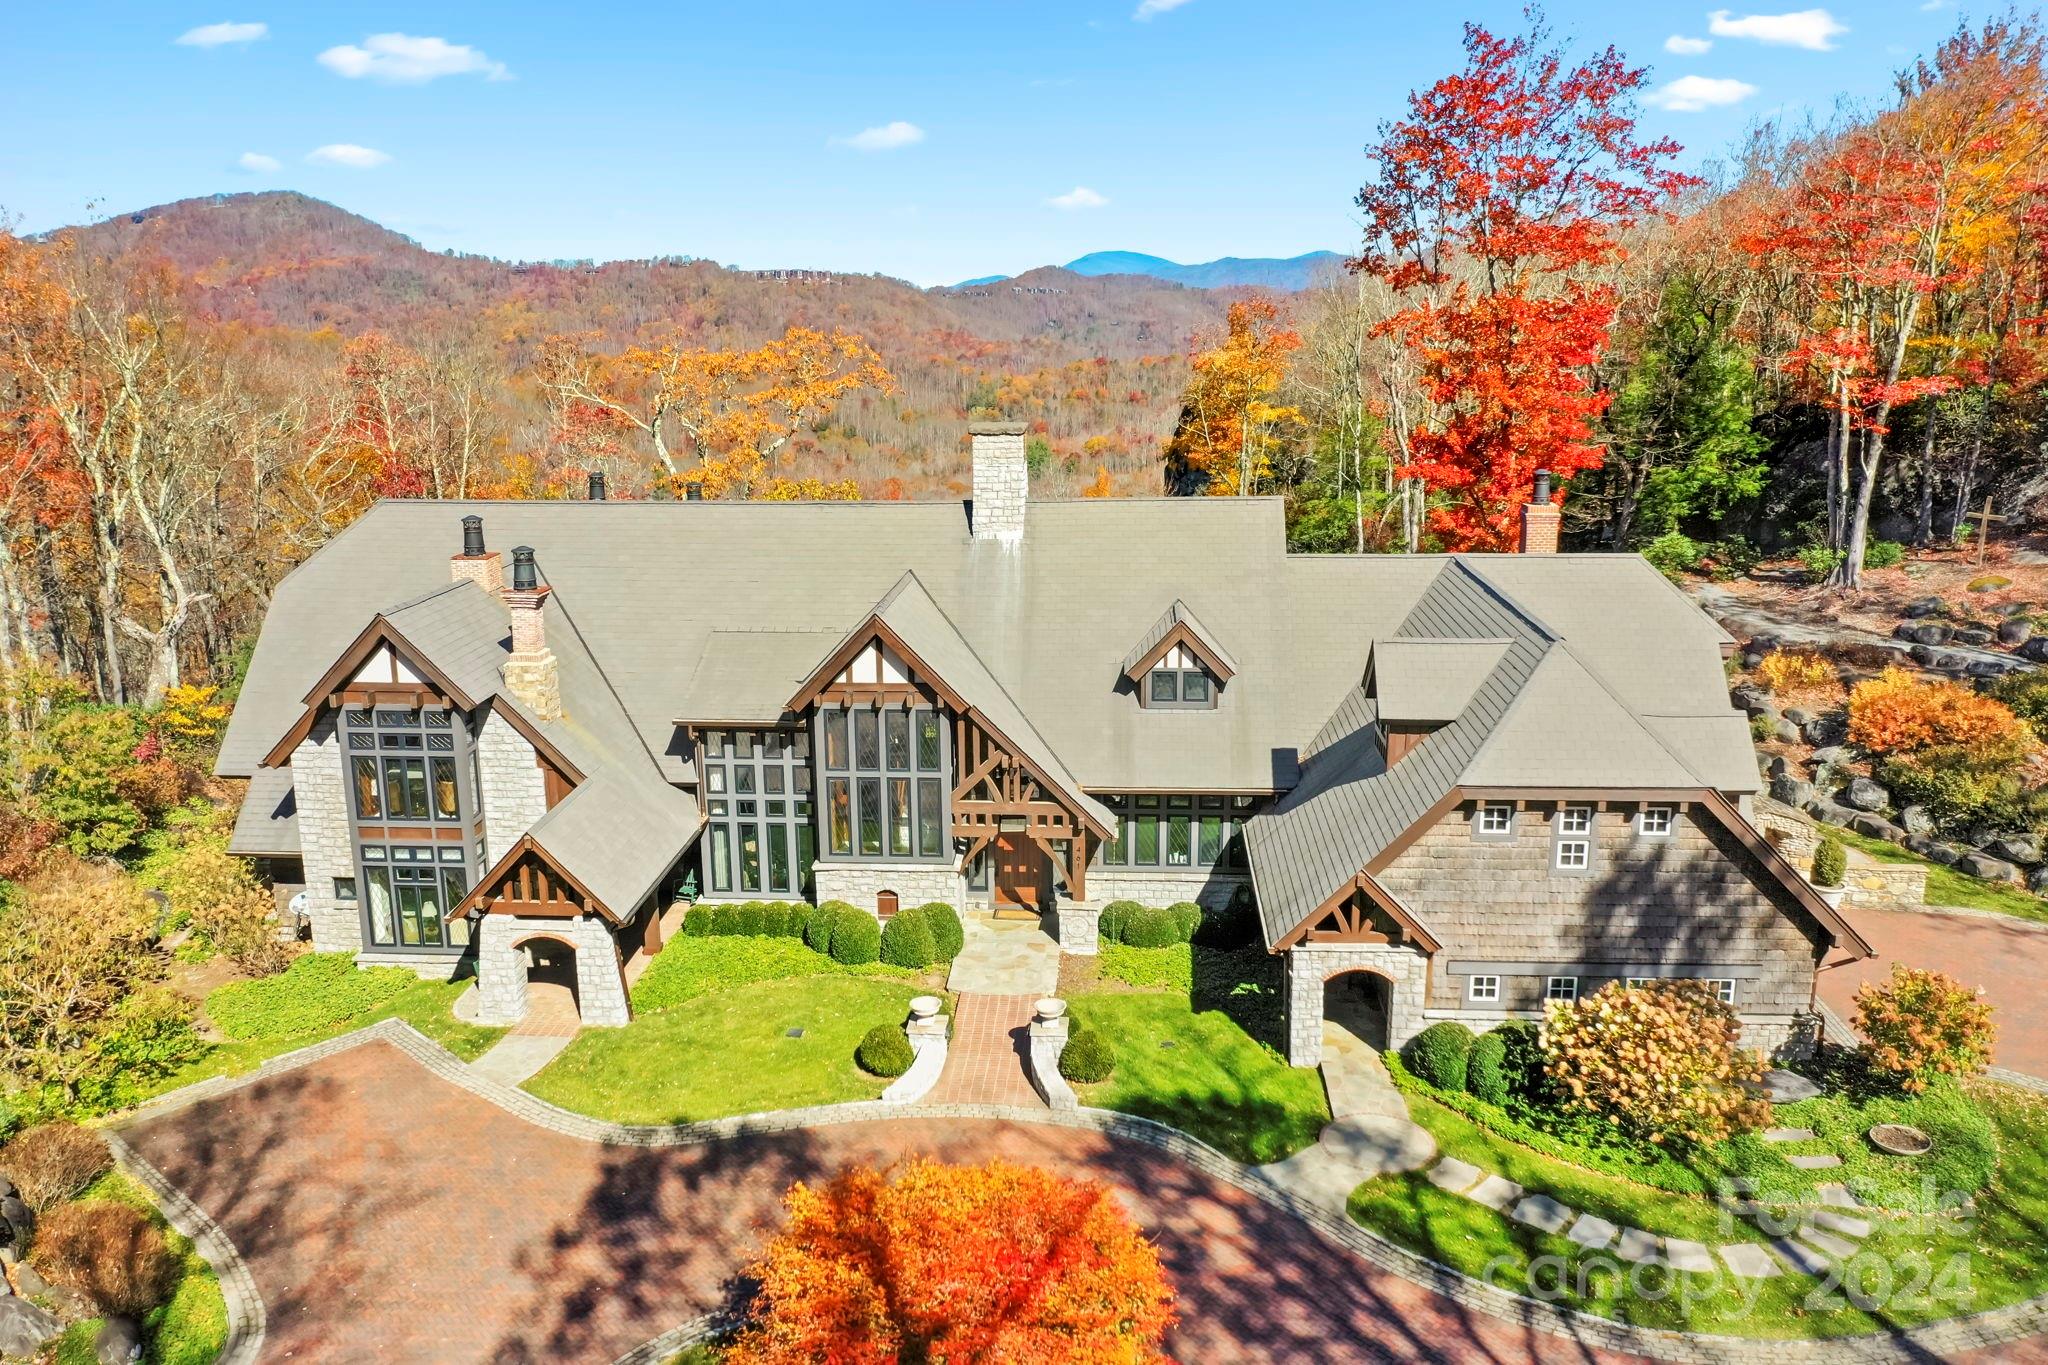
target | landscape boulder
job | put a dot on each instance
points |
(1755, 700)
(1864, 794)
(25, 1329)
(1828, 729)
(1988, 868)
(2035, 649)
(1833, 756)
(1791, 790)
(2015, 631)
(1917, 820)
(1948, 855)
(1972, 635)
(16, 1222)
(1780, 766)
(1785, 732)
(2037, 881)
(1990, 668)
(119, 1342)
(1922, 633)
(2015, 848)
(1924, 606)
(1875, 826)
(1798, 715)
(28, 1282)
(1828, 813)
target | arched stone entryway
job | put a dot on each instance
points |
(1359, 1002)
(553, 1003)
(1391, 997)
(572, 964)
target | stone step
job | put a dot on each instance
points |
(1543, 1213)
(1821, 1162)
(1800, 1256)
(1688, 1256)
(1826, 1242)
(1638, 1247)
(1454, 1175)
(1837, 1196)
(1840, 1222)
(1592, 1232)
(1788, 1135)
(1496, 1192)
(1750, 1261)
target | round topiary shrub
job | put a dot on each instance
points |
(944, 922)
(1521, 1063)
(53, 1162)
(1087, 1058)
(884, 1051)
(1187, 918)
(818, 926)
(752, 919)
(108, 1251)
(1151, 926)
(856, 937)
(1830, 863)
(697, 921)
(774, 919)
(907, 942)
(1486, 1068)
(1114, 919)
(725, 920)
(1439, 1054)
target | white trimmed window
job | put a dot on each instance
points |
(1723, 988)
(1574, 844)
(1561, 988)
(1656, 821)
(1483, 988)
(1634, 981)
(1497, 818)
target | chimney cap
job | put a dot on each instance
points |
(596, 485)
(996, 428)
(472, 537)
(693, 491)
(1542, 486)
(524, 578)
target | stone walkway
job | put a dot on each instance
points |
(518, 1057)
(1005, 957)
(1369, 1134)
(985, 1057)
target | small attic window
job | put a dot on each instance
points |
(1178, 664)
(1188, 687)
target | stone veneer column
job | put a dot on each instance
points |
(1002, 480)
(501, 969)
(515, 790)
(1310, 965)
(326, 846)
(1079, 928)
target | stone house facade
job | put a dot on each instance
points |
(513, 770)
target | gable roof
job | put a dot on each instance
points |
(1175, 625)
(1429, 681)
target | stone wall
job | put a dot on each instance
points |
(326, 847)
(1311, 965)
(1695, 897)
(1079, 928)
(1002, 480)
(1164, 885)
(515, 790)
(502, 968)
(1872, 885)
(859, 883)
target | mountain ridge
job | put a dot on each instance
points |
(1285, 273)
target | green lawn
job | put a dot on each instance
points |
(1912, 1269)
(728, 1052)
(1946, 886)
(686, 968)
(188, 1330)
(1203, 1074)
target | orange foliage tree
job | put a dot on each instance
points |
(1506, 186)
(1230, 427)
(957, 1263)
(1897, 713)
(735, 409)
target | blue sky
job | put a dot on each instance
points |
(928, 140)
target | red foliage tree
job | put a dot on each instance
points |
(956, 1263)
(1506, 184)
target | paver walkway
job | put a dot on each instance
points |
(2006, 957)
(985, 1057)
(388, 1215)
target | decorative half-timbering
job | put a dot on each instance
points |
(528, 882)
(999, 793)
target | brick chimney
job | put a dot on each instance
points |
(1001, 481)
(1540, 519)
(530, 672)
(475, 564)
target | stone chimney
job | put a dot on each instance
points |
(1540, 519)
(474, 564)
(597, 485)
(1001, 481)
(530, 673)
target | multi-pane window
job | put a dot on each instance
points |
(1483, 988)
(1561, 988)
(1176, 831)
(1496, 819)
(1723, 989)
(759, 833)
(1189, 687)
(885, 782)
(1655, 821)
(1573, 844)
(407, 774)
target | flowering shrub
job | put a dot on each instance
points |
(1794, 670)
(1923, 1024)
(1663, 1062)
(1895, 713)
(935, 1262)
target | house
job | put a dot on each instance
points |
(1469, 783)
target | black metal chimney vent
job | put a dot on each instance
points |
(693, 491)
(523, 577)
(472, 537)
(1542, 485)
(597, 485)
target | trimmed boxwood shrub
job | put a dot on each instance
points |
(907, 941)
(856, 937)
(944, 922)
(697, 921)
(1110, 924)
(1486, 1068)
(818, 928)
(1087, 1058)
(1151, 926)
(1521, 1063)
(884, 1051)
(1187, 918)
(1440, 1053)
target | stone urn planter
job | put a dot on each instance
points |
(1899, 1139)
(925, 1006)
(1833, 895)
(1050, 1007)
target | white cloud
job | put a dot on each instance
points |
(257, 162)
(1079, 197)
(1148, 8)
(218, 35)
(347, 154)
(1686, 47)
(1813, 29)
(886, 138)
(1690, 94)
(1933, 5)
(401, 59)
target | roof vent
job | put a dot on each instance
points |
(597, 485)
(473, 536)
(693, 491)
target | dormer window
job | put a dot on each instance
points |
(1186, 687)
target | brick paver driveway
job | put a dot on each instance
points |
(2007, 957)
(388, 1215)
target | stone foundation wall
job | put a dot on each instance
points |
(515, 790)
(859, 884)
(1164, 885)
(502, 968)
(326, 847)
(1310, 965)
(428, 967)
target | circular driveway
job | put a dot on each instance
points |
(389, 1215)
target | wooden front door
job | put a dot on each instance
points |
(1023, 878)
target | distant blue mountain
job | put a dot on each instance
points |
(980, 279)
(1265, 272)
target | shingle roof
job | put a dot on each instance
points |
(747, 675)
(267, 825)
(1430, 681)
(1178, 614)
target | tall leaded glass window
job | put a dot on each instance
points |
(1176, 831)
(758, 836)
(411, 786)
(885, 782)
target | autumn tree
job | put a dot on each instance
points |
(734, 410)
(957, 1263)
(1231, 426)
(1493, 204)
